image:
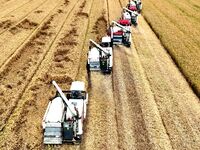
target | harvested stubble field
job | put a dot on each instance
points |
(177, 24)
(145, 104)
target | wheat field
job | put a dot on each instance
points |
(177, 24)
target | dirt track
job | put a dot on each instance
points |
(144, 104)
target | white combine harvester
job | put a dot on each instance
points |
(138, 5)
(126, 16)
(63, 119)
(134, 16)
(120, 34)
(135, 5)
(100, 57)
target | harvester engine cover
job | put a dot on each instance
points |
(124, 22)
(132, 8)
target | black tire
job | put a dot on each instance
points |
(88, 67)
(78, 141)
(128, 45)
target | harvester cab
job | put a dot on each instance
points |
(134, 16)
(67, 124)
(126, 16)
(125, 23)
(100, 57)
(120, 34)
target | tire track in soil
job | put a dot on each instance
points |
(17, 74)
(100, 127)
(179, 115)
(59, 48)
(11, 21)
(134, 133)
(149, 122)
(14, 40)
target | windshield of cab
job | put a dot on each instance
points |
(105, 44)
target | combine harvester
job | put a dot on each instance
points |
(132, 5)
(138, 5)
(100, 57)
(63, 119)
(135, 5)
(120, 34)
(126, 17)
(134, 16)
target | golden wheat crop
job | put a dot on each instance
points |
(177, 24)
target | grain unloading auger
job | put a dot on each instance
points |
(63, 119)
(120, 34)
(134, 16)
(100, 57)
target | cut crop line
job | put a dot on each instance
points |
(120, 3)
(84, 40)
(23, 43)
(148, 82)
(21, 19)
(6, 125)
(5, 2)
(108, 13)
(15, 9)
